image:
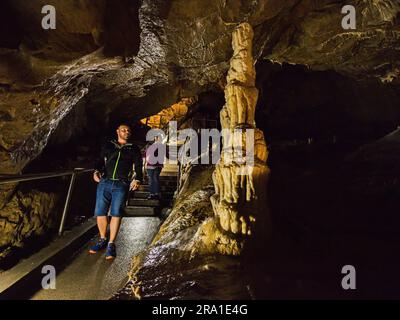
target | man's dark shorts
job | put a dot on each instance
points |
(111, 194)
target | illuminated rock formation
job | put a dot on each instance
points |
(240, 200)
(27, 214)
(176, 112)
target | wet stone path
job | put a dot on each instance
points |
(90, 276)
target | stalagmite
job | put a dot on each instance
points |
(240, 198)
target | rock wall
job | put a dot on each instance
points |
(173, 49)
(53, 79)
(172, 267)
(27, 214)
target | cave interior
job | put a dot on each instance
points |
(327, 106)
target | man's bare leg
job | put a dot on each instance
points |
(102, 223)
(114, 227)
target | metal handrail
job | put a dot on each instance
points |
(39, 176)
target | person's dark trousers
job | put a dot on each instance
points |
(154, 180)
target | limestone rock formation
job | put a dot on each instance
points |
(170, 267)
(240, 186)
(163, 51)
(133, 59)
(26, 215)
(176, 112)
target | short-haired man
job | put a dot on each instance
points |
(113, 172)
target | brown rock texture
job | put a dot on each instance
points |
(171, 268)
(123, 58)
(113, 59)
(313, 36)
(176, 112)
(25, 215)
(240, 194)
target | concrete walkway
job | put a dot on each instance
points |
(91, 277)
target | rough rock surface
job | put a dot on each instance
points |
(240, 198)
(170, 269)
(67, 75)
(27, 214)
(176, 112)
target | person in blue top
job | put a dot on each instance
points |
(118, 170)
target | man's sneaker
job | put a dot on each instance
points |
(100, 245)
(111, 252)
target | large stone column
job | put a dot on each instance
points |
(240, 199)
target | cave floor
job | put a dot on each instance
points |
(91, 277)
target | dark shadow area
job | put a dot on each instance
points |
(10, 32)
(333, 190)
(122, 30)
(297, 103)
(344, 212)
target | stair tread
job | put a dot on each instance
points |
(135, 211)
(145, 194)
(146, 188)
(149, 203)
(144, 202)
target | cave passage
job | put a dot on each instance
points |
(91, 277)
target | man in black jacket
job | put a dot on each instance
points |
(114, 174)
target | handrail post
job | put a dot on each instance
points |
(67, 201)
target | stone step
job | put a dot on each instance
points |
(170, 162)
(145, 187)
(172, 174)
(143, 202)
(170, 167)
(145, 194)
(153, 203)
(171, 170)
(163, 182)
(168, 178)
(167, 182)
(133, 211)
(171, 183)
